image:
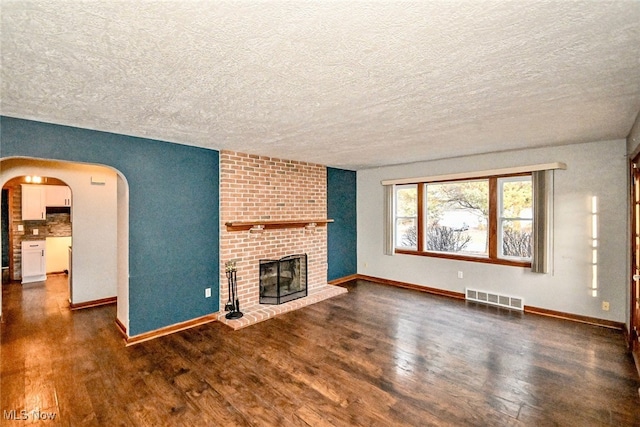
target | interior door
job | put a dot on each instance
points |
(634, 335)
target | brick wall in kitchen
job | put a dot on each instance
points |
(269, 189)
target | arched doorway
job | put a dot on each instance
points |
(99, 214)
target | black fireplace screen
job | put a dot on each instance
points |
(283, 280)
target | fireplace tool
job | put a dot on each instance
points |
(229, 305)
(233, 305)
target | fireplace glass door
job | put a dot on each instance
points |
(283, 280)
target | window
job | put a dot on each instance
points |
(457, 217)
(485, 219)
(406, 216)
(515, 219)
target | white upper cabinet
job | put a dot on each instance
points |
(36, 198)
(33, 202)
(57, 196)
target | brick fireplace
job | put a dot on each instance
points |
(258, 189)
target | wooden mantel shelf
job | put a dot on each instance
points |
(263, 225)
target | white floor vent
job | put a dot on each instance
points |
(516, 303)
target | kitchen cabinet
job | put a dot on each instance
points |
(57, 196)
(33, 202)
(34, 266)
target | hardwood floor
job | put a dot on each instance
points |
(378, 356)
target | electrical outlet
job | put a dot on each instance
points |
(207, 293)
(460, 275)
(605, 305)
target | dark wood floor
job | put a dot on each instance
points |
(376, 356)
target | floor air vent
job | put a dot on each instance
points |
(516, 303)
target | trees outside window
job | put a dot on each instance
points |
(457, 216)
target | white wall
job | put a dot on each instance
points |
(633, 140)
(593, 169)
(94, 222)
(123, 255)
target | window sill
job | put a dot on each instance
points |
(497, 261)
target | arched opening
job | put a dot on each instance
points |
(99, 212)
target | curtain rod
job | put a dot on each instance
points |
(477, 174)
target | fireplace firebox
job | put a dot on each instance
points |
(283, 280)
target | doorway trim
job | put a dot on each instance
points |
(61, 169)
(634, 271)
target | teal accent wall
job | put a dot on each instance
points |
(342, 233)
(173, 213)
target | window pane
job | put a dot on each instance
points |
(516, 217)
(406, 233)
(517, 197)
(516, 238)
(457, 217)
(406, 216)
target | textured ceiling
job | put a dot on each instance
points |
(349, 84)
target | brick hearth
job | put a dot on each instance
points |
(262, 312)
